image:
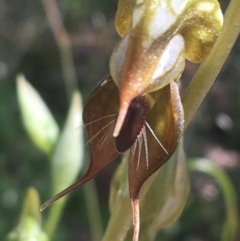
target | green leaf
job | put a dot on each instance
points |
(29, 227)
(67, 159)
(37, 118)
(68, 156)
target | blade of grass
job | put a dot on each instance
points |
(64, 46)
(231, 223)
(93, 210)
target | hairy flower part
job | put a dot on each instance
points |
(152, 129)
(138, 107)
(157, 37)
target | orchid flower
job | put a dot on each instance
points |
(138, 107)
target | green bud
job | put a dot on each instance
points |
(29, 227)
(37, 118)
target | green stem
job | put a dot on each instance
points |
(231, 222)
(119, 222)
(121, 215)
(210, 68)
(68, 70)
(54, 217)
(64, 46)
(93, 210)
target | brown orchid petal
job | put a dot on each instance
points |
(99, 117)
(158, 141)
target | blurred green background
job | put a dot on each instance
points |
(28, 46)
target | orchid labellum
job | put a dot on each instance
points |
(138, 107)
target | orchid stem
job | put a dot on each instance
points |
(120, 207)
(93, 210)
(55, 213)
